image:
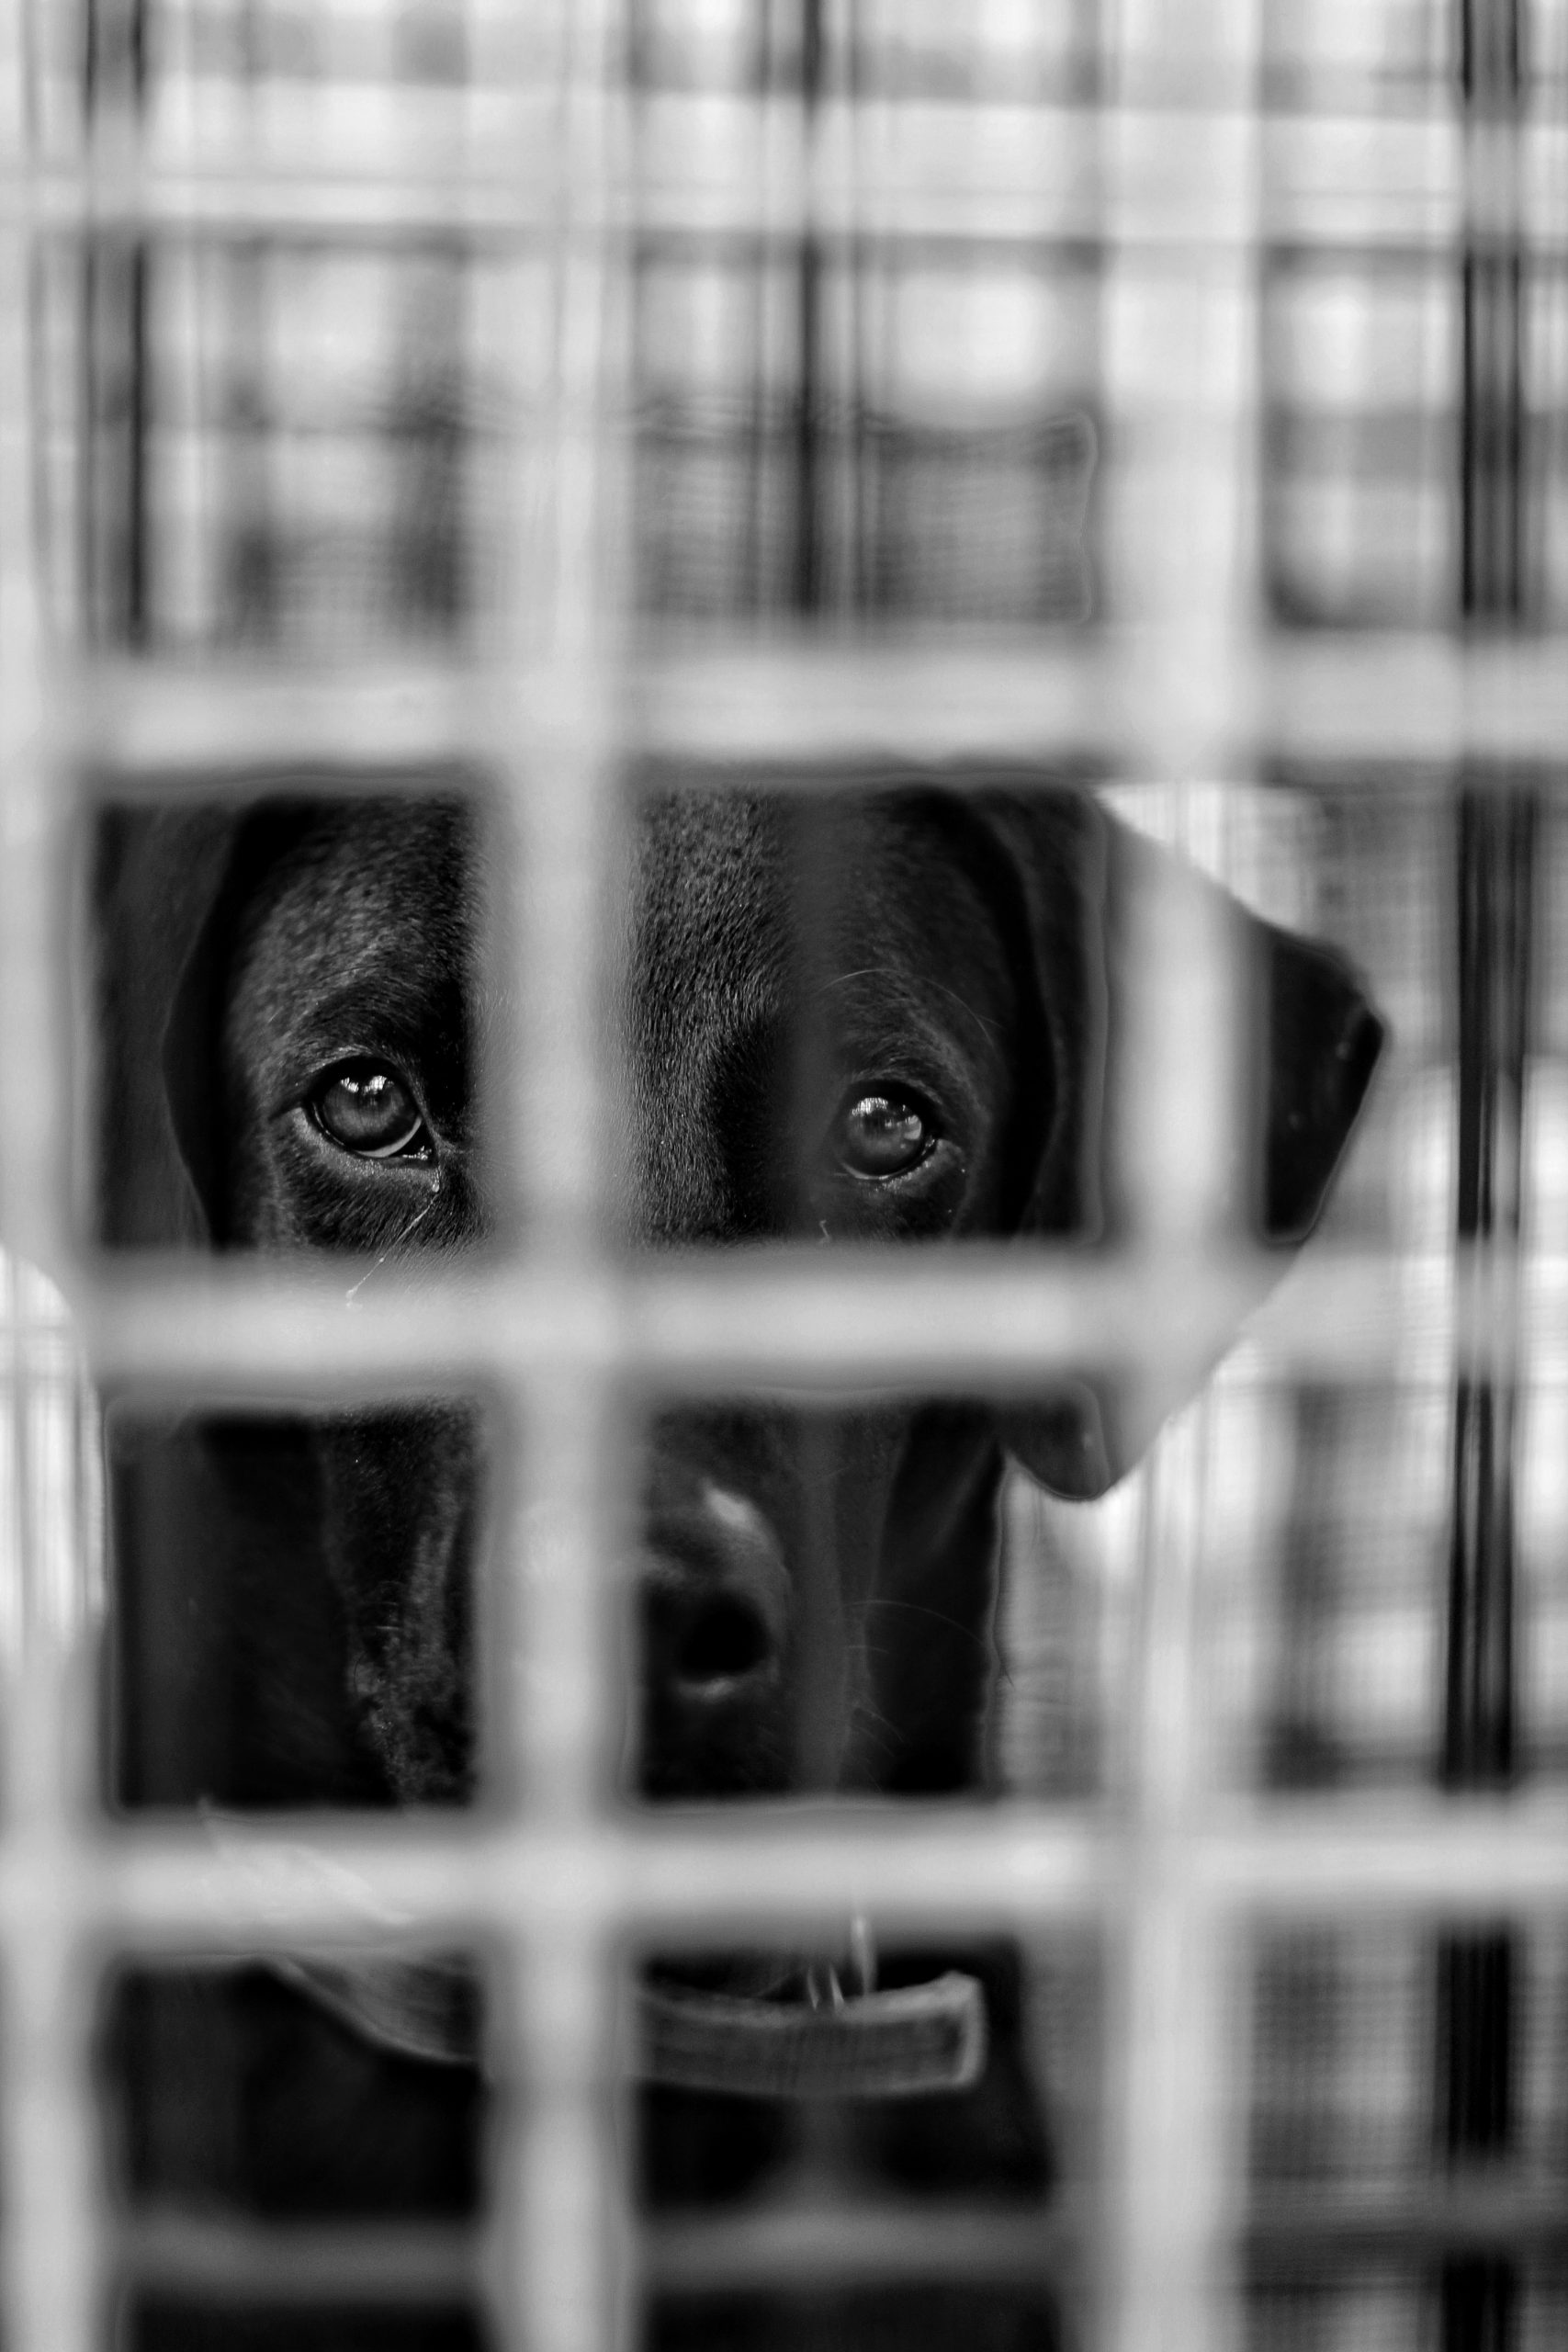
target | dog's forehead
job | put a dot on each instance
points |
(710, 893)
(733, 894)
(727, 891)
(373, 892)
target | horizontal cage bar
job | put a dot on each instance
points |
(237, 1886)
(988, 1317)
(1429, 699)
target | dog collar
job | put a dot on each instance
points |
(906, 2043)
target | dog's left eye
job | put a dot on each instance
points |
(370, 1111)
(882, 1134)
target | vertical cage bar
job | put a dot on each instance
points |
(1181, 380)
(562, 788)
(32, 1101)
(49, 2253)
(572, 2291)
(1173, 2168)
(1477, 1973)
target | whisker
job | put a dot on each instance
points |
(396, 1242)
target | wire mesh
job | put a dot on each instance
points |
(765, 390)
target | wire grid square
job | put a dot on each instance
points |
(929, 48)
(282, 447)
(1361, 362)
(940, 471)
(1389, 2311)
(437, 88)
(1345, 2027)
(1385, 2312)
(1361, 423)
(1346, 2133)
(1343, 2034)
(1338, 53)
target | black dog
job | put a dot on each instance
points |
(898, 1017)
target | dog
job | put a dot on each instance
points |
(898, 1015)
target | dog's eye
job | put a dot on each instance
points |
(881, 1135)
(369, 1110)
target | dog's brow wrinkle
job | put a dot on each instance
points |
(991, 1030)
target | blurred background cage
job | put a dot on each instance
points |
(1177, 398)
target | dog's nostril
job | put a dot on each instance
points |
(725, 1639)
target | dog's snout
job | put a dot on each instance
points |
(715, 1597)
(726, 1639)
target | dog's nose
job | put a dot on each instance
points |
(714, 1598)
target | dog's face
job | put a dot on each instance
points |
(854, 1077)
(890, 1018)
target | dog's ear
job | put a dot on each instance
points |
(195, 1080)
(157, 873)
(1280, 1073)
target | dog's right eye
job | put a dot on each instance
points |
(369, 1110)
(881, 1136)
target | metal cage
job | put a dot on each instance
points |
(544, 391)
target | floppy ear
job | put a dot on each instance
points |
(156, 875)
(1297, 1040)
